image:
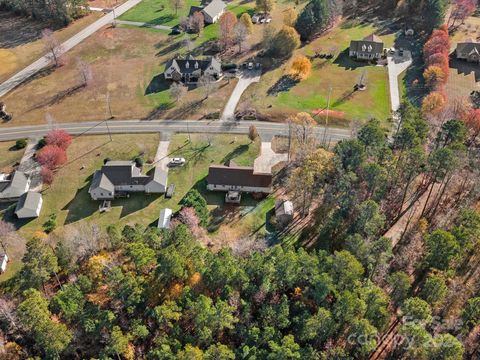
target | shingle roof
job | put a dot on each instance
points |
(16, 187)
(159, 176)
(214, 8)
(373, 38)
(124, 173)
(190, 65)
(29, 200)
(373, 44)
(237, 176)
(101, 181)
(468, 47)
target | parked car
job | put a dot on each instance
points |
(176, 31)
(176, 162)
(268, 20)
(250, 66)
(170, 191)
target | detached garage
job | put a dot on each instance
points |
(29, 205)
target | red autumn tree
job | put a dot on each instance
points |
(47, 175)
(461, 10)
(439, 60)
(471, 118)
(439, 42)
(59, 138)
(51, 156)
(226, 25)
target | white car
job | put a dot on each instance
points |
(267, 21)
(176, 162)
(250, 66)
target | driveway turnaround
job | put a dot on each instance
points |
(44, 61)
(267, 159)
(166, 126)
(247, 78)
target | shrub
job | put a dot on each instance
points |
(21, 144)
(195, 200)
(229, 66)
(41, 143)
(50, 224)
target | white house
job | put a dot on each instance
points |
(164, 218)
(29, 205)
(213, 11)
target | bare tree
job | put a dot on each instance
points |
(85, 72)
(177, 4)
(52, 46)
(197, 22)
(177, 91)
(8, 312)
(84, 240)
(240, 34)
(6, 231)
(208, 84)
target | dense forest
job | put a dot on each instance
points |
(142, 293)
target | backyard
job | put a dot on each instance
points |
(277, 101)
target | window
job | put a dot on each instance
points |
(196, 65)
(187, 65)
(370, 48)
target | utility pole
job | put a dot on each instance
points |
(188, 131)
(289, 137)
(326, 118)
(109, 112)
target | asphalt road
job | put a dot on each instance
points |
(44, 61)
(266, 130)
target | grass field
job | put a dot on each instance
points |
(127, 64)
(9, 155)
(337, 76)
(20, 42)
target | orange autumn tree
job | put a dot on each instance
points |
(433, 103)
(434, 76)
(471, 118)
(300, 68)
(226, 24)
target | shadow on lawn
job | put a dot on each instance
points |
(157, 84)
(81, 206)
(161, 20)
(136, 202)
(344, 60)
(59, 97)
(239, 150)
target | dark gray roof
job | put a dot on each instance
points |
(100, 181)
(29, 200)
(468, 47)
(159, 176)
(194, 9)
(124, 173)
(214, 8)
(372, 43)
(15, 187)
(237, 176)
(190, 65)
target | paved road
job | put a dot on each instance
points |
(246, 79)
(170, 126)
(44, 61)
(144, 24)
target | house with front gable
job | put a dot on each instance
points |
(190, 70)
(469, 51)
(369, 48)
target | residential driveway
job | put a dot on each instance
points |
(267, 159)
(143, 24)
(397, 65)
(44, 61)
(246, 79)
(161, 157)
(30, 166)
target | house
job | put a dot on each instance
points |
(189, 70)
(283, 211)
(370, 48)
(236, 180)
(122, 177)
(12, 187)
(213, 11)
(29, 205)
(164, 218)
(3, 263)
(468, 50)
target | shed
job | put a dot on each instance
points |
(3, 263)
(284, 211)
(164, 218)
(29, 205)
(213, 11)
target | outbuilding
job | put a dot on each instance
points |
(29, 205)
(284, 211)
(3, 263)
(164, 218)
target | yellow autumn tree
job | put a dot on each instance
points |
(434, 76)
(290, 17)
(246, 20)
(300, 68)
(433, 103)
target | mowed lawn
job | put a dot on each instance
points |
(9, 155)
(20, 42)
(336, 77)
(127, 64)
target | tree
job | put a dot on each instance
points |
(400, 284)
(301, 67)
(50, 224)
(369, 220)
(416, 310)
(188, 216)
(240, 34)
(52, 47)
(288, 349)
(313, 19)
(434, 76)
(208, 84)
(85, 72)
(47, 175)
(51, 156)
(318, 327)
(178, 91)
(471, 312)
(302, 134)
(471, 119)
(246, 20)
(39, 264)
(265, 6)
(451, 132)
(21, 144)
(433, 103)
(447, 347)
(252, 132)
(434, 290)
(197, 22)
(290, 16)
(219, 351)
(462, 9)
(69, 302)
(195, 200)
(59, 137)
(176, 5)
(7, 230)
(362, 337)
(284, 42)
(118, 343)
(226, 25)
(434, 13)
(442, 249)
(419, 344)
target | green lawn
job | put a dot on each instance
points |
(158, 12)
(336, 77)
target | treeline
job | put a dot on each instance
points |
(61, 12)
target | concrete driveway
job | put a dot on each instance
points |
(396, 65)
(267, 159)
(247, 78)
(161, 157)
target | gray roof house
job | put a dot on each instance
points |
(469, 50)
(370, 48)
(213, 11)
(123, 177)
(13, 187)
(189, 70)
(29, 205)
